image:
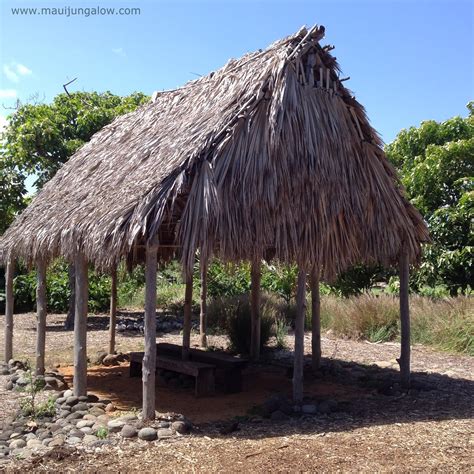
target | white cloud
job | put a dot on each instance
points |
(22, 70)
(8, 94)
(10, 73)
(14, 71)
(119, 52)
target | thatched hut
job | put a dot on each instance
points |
(270, 157)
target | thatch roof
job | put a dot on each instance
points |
(268, 156)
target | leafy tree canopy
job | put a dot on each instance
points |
(39, 138)
(436, 164)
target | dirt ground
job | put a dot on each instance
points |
(430, 429)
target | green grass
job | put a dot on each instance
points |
(446, 323)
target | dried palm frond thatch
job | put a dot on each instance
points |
(269, 156)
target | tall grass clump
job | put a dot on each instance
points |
(446, 323)
(232, 315)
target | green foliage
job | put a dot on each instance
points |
(39, 138)
(280, 280)
(436, 163)
(232, 314)
(357, 279)
(102, 432)
(58, 291)
(281, 331)
(445, 323)
(28, 405)
(228, 280)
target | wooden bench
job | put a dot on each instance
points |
(229, 368)
(203, 373)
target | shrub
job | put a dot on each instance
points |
(58, 291)
(232, 314)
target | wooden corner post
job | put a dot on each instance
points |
(404, 360)
(149, 359)
(255, 276)
(188, 307)
(203, 313)
(80, 325)
(9, 273)
(315, 321)
(299, 337)
(40, 316)
(113, 310)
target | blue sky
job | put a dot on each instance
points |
(408, 60)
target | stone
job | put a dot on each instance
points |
(128, 431)
(84, 424)
(55, 426)
(30, 436)
(46, 441)
(71, 401)
(45, 434)
(91, 398)
(17, 444)
(51, 380)
(89, 439)
(327, 406)
(83, 398)
(57, 441)
(34, 443)
(22, 382)
(115, 426)
(67, 394)
(90, 417)
(309, 409)
(74, 416)
(21, 453)
(148, 434)
(9, 385)
(99, 358)
(87, 430)
(164, 433)
(164, 424)
(129, 417)
(96, 411)
(60, 400)
(76, 433)
(110, 408)
(73, 440)
(81, 406)
(181, 427)
(110, 359)
(279, 416)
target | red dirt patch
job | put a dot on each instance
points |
(114, 383)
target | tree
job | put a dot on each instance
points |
(436, 164)
(39, 138)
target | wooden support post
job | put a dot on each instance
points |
(255, 275)
(149, 359)
(203, 313)
(69, 322)
(299, 337)
(80, 326)
(404, 360)
(188, 306)
(9, 273)
(113, 310)
(315, 321)
(40, 317)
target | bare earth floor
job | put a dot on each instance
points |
(428, 430)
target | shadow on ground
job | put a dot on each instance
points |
(365, 396)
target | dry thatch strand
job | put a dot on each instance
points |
(270, 155)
